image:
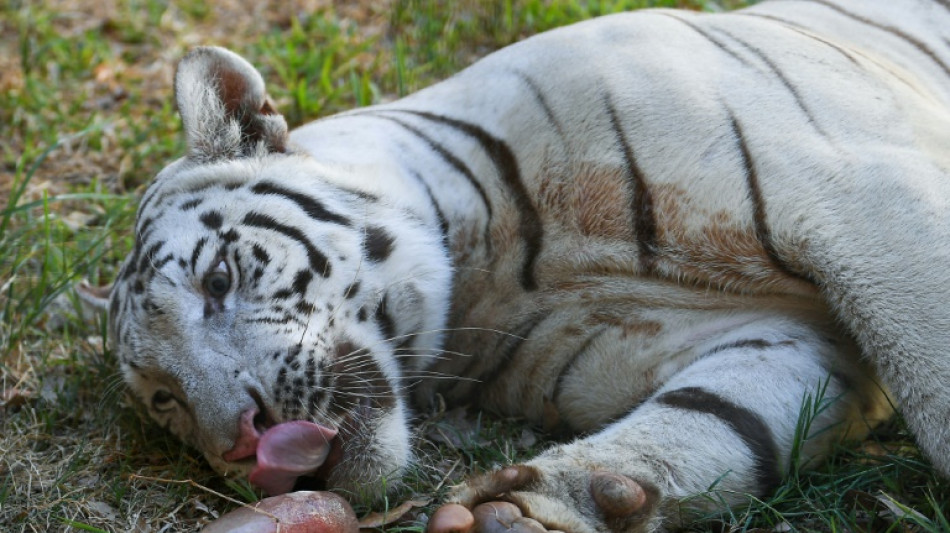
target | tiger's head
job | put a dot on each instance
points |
(265, 315)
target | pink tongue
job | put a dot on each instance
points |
(288, 451)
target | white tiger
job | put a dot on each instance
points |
(659, 231)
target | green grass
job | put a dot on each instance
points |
(88, 119)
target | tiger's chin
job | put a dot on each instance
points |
(371, 454)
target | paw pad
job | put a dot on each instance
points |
(500, 517)
(491, 517)
(617, 496)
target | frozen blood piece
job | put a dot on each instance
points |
(296, 512)
(288, 451)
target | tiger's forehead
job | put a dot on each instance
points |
(184, 187)
(183, 177)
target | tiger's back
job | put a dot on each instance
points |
(636, 228)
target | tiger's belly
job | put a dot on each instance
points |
(581, 353)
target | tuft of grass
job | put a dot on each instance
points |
(881, 484)
(88, 114)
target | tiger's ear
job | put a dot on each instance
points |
(224, 108)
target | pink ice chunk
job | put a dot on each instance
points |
(288, 451)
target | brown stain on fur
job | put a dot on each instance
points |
(721, 251)
(590, 199)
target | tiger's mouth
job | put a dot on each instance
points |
(289, 451)
(292, 455)
(280, 454)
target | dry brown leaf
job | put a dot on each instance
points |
(378, 520)
(15, 397)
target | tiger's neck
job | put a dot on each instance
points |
(443, 171)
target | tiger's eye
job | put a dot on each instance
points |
(162, 400)
(217, 283)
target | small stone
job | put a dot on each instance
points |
(451, 518)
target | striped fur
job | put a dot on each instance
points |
(660, 230)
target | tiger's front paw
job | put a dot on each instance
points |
(529, 499)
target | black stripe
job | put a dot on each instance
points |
(311, 206)
(378, 244)
(260, 253)
(229, 236)
(570, 361)
(164, 261)
(150, 195)
(780, 74)
(716, 42)
(506, 164)
(641, 203)
(385, 321)
(228, 182)
(510, 345)
(804, 32)
(747, 424)
(276, 320)
(148, 259)
(132, 262)
(145, 237)
(301, 281)
(443, 223)
(760, 344)
(759, 209)
(196, 252)
(237, 266)
(140, 232)
(447, 156)
(190, 204)
(542, 102)
(359, 194)
(920, 45)
(211, 219)
(305, 308)
(318, 261)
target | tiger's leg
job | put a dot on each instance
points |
(891, 286)
(726, 423)
(877, 242)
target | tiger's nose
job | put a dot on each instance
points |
(249, 434)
